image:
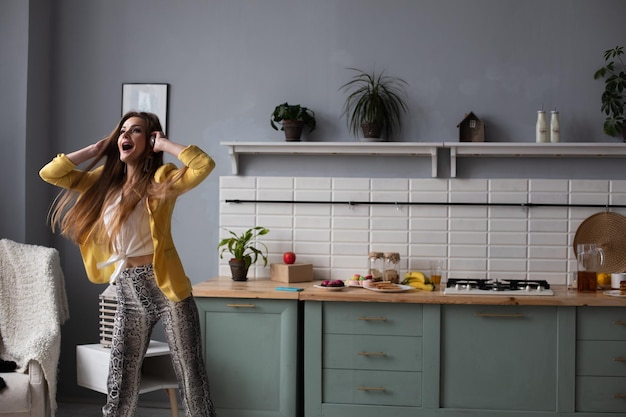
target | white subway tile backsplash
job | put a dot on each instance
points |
(595, 186)
(428, 237)
(312, 222)
(312, 195)
(227, 183)
(390, 184)
(350, 236)
(429, 185)
(477, 241)
(351, 184)
(468, 224)
(540, 225)
(312, 183)
(508, 185)
(389, 223)
(312, 248)
(280, 183)
(353, 223)
(552, 186)
(274, 194)
(389, 236)
(464, 238)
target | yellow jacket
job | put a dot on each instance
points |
(168, 268)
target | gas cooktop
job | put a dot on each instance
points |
(517, 287)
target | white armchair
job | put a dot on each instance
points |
(26, 394)
(32, 308)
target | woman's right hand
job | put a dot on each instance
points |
(88, 152)
(98, 146)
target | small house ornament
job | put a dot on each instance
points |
(471, 129)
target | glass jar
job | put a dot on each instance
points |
(392, 267)
(375, 265)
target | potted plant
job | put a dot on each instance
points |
(374, 104)
(245, 250)
(292, 119)
(613, 97)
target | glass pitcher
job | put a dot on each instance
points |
(590, 259)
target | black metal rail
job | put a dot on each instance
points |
(422, 203)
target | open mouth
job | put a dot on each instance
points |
(127, 146)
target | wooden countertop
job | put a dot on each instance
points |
(225, 287)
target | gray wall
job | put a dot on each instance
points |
(229, 63)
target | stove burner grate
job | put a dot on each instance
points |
(497, 285)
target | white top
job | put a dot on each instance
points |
(134, 239)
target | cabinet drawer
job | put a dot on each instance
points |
(397, 353)
(372, 387)
(601, 394)
(601, 358)
(373, 319)
(601, 323)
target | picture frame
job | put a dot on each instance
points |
(151, 98)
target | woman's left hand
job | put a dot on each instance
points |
(157, 141)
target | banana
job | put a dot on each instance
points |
(422, 286)
(418, 280)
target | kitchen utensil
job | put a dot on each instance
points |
(590, 260)
(608, 231)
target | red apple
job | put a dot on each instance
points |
(289, 257)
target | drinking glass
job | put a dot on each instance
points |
(436, 271)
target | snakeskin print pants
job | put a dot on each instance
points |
(140, 305)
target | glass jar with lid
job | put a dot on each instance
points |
(375, 265)
(392, 267)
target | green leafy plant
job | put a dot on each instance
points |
(245, 246)
(613, 97)
(374, 98)
(292, 112)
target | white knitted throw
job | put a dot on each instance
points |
(33, 306)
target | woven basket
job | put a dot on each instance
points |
(608, 231)
(108, 306)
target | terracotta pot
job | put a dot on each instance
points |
(293, 130)
(372, 132)
(238, 269)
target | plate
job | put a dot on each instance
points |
(614, 293)
(330, 288)
(401, 288)
(608, 231)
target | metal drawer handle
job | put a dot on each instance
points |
(373, 318)
(515, 315)
(623, 396)
(619, 359)
(362, 388)
(620, 322)
(241, 305)
(372, 354)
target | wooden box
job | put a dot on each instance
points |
(291, 273)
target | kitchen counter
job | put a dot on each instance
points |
(266, 289)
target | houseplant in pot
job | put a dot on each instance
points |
(244, 249)
(292, 118)
(374, 105)
(614, 95)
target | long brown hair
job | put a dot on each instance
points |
(78, 218)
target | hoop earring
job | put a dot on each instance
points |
(147, 165)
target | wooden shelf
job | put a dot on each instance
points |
(333, 148)
(531, 150)
(428, 149)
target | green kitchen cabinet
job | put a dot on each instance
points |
(363, 359)
(251, 352)
(601, 360)
(499, 358)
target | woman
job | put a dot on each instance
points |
(119, 213)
